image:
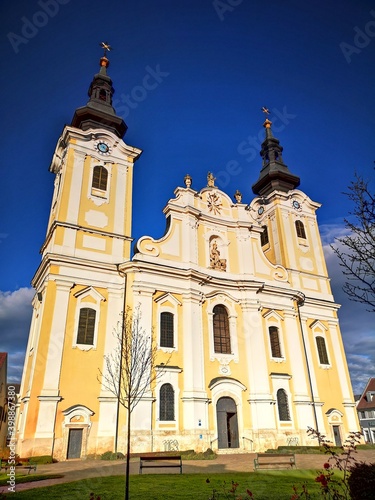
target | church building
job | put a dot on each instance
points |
(236, 295)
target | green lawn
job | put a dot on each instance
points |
(28, 478)
(265, 485)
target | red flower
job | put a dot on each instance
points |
(249, 493)
(326, 465)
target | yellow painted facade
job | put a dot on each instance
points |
(249, 346)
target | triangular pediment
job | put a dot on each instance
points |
(168, 297)
(318, 325)
(89, 291)
(221, 296)
(272, 314)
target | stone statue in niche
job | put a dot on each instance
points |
(215, 261)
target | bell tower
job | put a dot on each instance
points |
(291, 236)
(79, 290)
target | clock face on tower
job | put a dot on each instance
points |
(296, 204)
(103, 147)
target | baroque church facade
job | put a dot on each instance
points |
(236, 295)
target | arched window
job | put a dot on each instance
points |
(86, 326)
(221, 330)
(275, 342)
(264, 240)
(300, 228)
(166, 330)
(166, 407)
(322, 350)
(99, 178)
(282, 405)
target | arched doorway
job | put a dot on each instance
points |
(227, 424)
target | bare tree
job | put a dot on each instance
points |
(130, 370)
(356, 250)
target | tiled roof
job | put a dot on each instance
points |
(3, 357)
(363, 403)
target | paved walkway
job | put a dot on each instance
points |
(75, 470)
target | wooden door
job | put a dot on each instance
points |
(75, 443)
(336, 435)
(227, 424)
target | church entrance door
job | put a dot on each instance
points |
(227, 424)
(336, 435)
(75, 443)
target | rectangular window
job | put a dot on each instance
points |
(275, 342)
(322, 351)
(166, 410)
(166, 329)
(86, 326)
(221, 330)
(264, 240)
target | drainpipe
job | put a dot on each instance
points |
(300, 301)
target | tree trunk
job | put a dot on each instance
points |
(127, 458)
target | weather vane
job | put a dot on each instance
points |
(266, 111)
(106, 47)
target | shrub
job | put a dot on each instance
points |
(362, 481)
(43, 459)
(110, 455)
(209, 452)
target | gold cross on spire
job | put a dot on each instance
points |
(266, 111)
(106, 47)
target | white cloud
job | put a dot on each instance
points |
(356, 322)
(15, 316)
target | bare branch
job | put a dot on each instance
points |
(356, 250)
(130, 368)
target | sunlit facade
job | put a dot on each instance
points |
(236, 295)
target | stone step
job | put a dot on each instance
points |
(232, 451)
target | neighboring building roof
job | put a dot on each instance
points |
(367, 401)
(3, 358)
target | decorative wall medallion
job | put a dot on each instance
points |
(214, 203)
(103, 147)
(224, 368)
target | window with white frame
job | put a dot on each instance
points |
(322, 350)
(282, 405)
(221, 330)
(166, 403)
(86, 326)
(99, 185)
(166, 329)
(300, 229)
(100, 178)
(87, 318)
(275, 342)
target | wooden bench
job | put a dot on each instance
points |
(159, 461)
(274, 461)
(4, 464)
(30, 466)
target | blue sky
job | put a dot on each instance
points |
(212, 65)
